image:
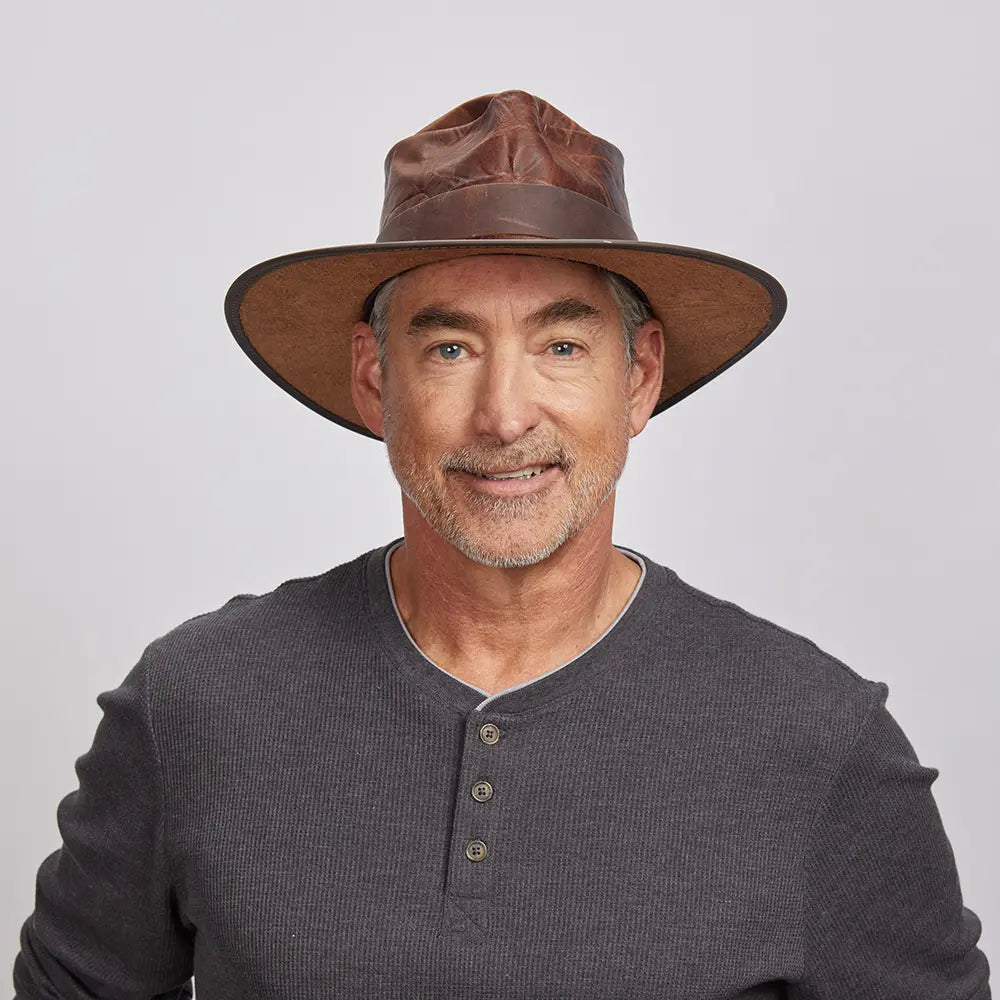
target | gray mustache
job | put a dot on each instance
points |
(479, 464)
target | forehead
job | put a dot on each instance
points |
(509, 278)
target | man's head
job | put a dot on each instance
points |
(503, 173)
(491, 364)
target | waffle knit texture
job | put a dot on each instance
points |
(279, 802)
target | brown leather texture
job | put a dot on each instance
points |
(509, 162)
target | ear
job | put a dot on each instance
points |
(646, 374)
(366, 377)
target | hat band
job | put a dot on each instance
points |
(482, 210)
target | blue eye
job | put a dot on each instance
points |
(449, 351)
(564, 349)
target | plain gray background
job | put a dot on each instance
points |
(841, 480)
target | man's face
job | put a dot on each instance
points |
(498, 365)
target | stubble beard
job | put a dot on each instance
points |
(589, 488)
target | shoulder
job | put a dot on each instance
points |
(748, 668)
(298, 624)
(298, 601)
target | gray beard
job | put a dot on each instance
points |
(449, 527)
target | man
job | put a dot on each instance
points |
(500, 757)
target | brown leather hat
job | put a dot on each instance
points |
(504, 173)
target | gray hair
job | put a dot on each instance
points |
(632, 307)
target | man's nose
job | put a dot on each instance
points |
(507, 403)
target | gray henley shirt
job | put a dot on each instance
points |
(287, 800)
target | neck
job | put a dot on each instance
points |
(498, 627)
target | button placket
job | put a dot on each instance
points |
(475, 847)
(482, 791)
(475, 854)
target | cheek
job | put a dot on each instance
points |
(591, 408)
(425, 397)
(404, 396)
(421, 418)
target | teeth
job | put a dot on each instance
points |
(521, 474)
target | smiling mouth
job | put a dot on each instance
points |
(526, 473)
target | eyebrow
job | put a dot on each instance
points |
(440, 318)
(565, 310)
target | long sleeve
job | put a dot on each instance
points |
(883, 907)
(105, 923)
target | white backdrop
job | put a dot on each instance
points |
(841, 480)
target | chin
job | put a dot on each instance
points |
(506, 557)
(502, 548)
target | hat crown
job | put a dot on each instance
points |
(494, 149)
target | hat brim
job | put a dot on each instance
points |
(293, 315)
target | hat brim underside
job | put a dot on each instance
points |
(293, 315)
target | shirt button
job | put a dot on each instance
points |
(489, 733)
(475, 850)
(482, 791)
